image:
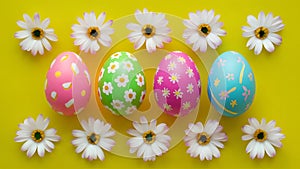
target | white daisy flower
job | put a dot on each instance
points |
(129, 95)
(181, 60)
(91, 32)
(263, 137)
(94, 138)
(174, 78)
(35, 34)
(190, 88)
(140, 80)
(178, 93)
(203, 28)
(262, 32)
(152, 29)
(130, 110)
(204, 141)
(186, 105)
(107, 88)
(189, 72)
(172, 66)
(128, 66)
(149, 140)
(166, 92)
(167, 107)
(117, 104)
(160, 80)
(36, 136)
(113, 66)
(122, 80)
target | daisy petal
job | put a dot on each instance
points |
(27, 145)
(41, 150)
(275, 38)
(268, 45)
(269, 149)
(211, 126)
(31, 150)
(252, 21)
(150, 45)
(22, 24)
(45, 23)
(261, 18)
(101, 18)
(139, 43)
(134, 27)
(258, 47)
(22, 34)
(106, 143)
(213, 40)
(248, 129)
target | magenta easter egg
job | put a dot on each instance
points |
(68, 86)
(177, 85)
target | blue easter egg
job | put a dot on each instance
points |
(231, 84)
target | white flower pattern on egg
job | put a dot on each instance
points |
(177, 84)
(127, 81)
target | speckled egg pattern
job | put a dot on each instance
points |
(177, 85)
(121, 84)
(231, 84)
(67, 85)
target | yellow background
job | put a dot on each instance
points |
(22, 82)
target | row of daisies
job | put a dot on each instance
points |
(149, 139)
(203, 29)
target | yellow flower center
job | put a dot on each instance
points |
(260, 135)
(204, 29)
(149, 137)
(93, 138)
(261, 33)
(93, 32)
(37, 33)
(148, 30)
(203, 138)
(38, 135)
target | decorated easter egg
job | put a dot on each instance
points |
(177, 85)
(121, 84)
(231, 84)
(67, 85)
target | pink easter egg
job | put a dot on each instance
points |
(68, 86)
(177, 85)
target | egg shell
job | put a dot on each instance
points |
(231, 84)
(121, 84)
(177, 85)
(68, 86)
